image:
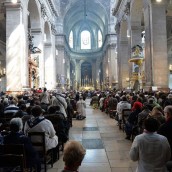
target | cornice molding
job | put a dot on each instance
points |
(122, 9)
(53, 8)
(11, 6)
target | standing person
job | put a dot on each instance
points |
(45, 98)
(59, 100)
(81, 105)
(74, 153)
(151, 150)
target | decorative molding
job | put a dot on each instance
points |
(53, 8)
(53, 28)
(44, 12)
(9, 5)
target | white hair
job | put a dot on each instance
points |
(18, 122)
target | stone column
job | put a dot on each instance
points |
(49, 66)
(15, 47)
(148, 55)
(94, 74)
(53, 49)
(113, 76)
(123, 65)
(136, 32)
(78, 73)
(98, 74)
(158, 51)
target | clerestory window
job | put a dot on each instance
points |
(85, 40)
(99, 39)
(71, 39)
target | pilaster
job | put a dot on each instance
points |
(15, 47)
(159, 45)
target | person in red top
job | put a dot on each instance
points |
(39, 90)
(137, 103)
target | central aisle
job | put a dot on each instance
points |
(106, 147)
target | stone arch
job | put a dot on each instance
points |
(34, 14)
(47, 32)
(86, 74)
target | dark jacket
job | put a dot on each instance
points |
(32, 158)
(166, 130)
(133, 117)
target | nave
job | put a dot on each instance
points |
(106, 147)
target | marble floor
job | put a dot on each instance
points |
(111, 153)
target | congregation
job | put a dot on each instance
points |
(52, 112)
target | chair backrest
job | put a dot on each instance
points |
(12, 155)
(38, 141)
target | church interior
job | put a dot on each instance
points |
(101, 49)
(69, 45)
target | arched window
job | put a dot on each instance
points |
(99, 39)
(71, 39)
(85, 40)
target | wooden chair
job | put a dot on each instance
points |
(125, 115)
(12, 157)
(38, 142)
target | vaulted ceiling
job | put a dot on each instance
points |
(76, 13)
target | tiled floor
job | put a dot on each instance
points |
(111, 155)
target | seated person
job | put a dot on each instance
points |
(157, 113)
(12, 108)
(73, 155)
(39, 123)
(58, 120)
(22, 111)
(132, 120)
(17, 137)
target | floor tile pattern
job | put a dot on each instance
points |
(92, 143)
(102, 132)
(90, 128)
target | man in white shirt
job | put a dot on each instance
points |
(151, 150)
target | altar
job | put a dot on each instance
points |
(86, 88)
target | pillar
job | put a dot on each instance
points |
(159, 45)
(123, 65)
(15, 47)
(78, 74)
(49, 66)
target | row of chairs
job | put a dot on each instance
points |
(12, 156)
